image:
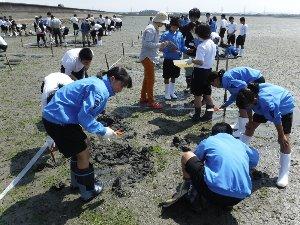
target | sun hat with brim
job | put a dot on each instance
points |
(161, 17)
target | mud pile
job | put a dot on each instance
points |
(118, 163)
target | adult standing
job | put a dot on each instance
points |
(75, 22)
(149, 52)
(55, 25)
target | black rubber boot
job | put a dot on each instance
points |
(196, 117)
(208, 114)
(88, 186)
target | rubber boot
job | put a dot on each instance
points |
(196, 117)
(241, 127)
(73, 166)
(167, 92)
(88, 186)
(246, 139)
(172, 90)
(208, 114)
(283, 177)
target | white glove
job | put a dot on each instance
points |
(110, 133)
(189, 61)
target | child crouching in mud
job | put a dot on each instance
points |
(76, 106)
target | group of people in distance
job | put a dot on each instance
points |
(219, 170)
(224, 176)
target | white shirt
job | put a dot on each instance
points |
(51, 83)
(101, 20)
(71, 61)
(74, 20)
(206, 52)
(223, 23)
(107, 22)
(97, 26)
(48, 21)
(243, 29)
(1, 22)
(231, 28)
(55, 23)
(2, 41)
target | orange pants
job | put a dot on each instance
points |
(148, 82)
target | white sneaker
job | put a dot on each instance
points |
(283, 177)
(172, 90)
(167, 92)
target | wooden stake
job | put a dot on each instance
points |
(22, 42)
(51, 47)
(225, 93)
(123, 49)
(107, 65)
(8, 62)
(138, 37)
(132, 43)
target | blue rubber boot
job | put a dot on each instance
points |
(88, 186)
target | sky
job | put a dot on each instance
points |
(234, 6)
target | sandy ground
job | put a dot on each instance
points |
(273, 46)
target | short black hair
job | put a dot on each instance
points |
(120, 74)
(207, 14)
(75, 15)
(203, 31)
(246, 96)
(48, 13)
(194, 12)
(231, 18)
(242, 19)
(86, 54)
(223, 15)
(221, 128)
(174, 21)
(215, 74)
(214, 18)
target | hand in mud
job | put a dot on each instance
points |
(119, 132)
(110, 133)
(190, 51)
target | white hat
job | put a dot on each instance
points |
(161, 17)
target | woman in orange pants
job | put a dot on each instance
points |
(150, 45)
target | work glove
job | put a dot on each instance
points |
(189, 61)
(110, 133)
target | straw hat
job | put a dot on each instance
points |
(161, 17)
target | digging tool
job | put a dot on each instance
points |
(225, 93)
(8, 62)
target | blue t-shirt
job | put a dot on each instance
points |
(237, 79)
(213, 26)
(80, 103)
(274, 102)
(177, 41)
(226, 164)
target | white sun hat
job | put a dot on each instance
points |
(161, 17)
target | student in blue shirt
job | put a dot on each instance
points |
(172, 51)
(76, 106)
(235, 80)
(275, 104)
(219, 169)
(213, 25)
